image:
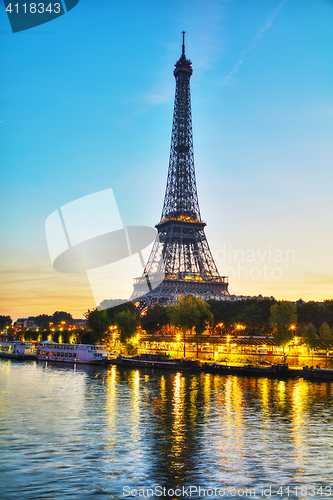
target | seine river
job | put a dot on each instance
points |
(106, 432)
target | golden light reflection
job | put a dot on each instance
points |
(231, 424)
(134, 380)
(6, 366)
(264, 385)
(162, 401)
(178, 427)
(207, 391)
(146, 390)
(163, 390)
(194, 387)
(111, 406)
(281, 392)
(299, 399)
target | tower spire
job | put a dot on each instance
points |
(183, 46)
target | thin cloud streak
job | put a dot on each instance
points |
(257, 39)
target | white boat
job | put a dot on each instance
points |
(17, 350)
(72, 353)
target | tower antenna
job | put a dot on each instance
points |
(183, 46)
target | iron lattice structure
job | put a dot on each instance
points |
(180, 260)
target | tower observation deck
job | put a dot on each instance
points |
(180, 260)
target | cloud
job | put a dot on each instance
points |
(257, 39)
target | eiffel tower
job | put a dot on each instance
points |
(180, 261)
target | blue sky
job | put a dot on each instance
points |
(87, 104)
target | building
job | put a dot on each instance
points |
(181, 261)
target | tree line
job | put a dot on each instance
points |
(311, 322)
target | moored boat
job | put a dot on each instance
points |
(72, 353)
(159, 361)
(17, 350)
(317, 373)
(278, 370)
(273, 371)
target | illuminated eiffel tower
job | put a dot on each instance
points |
(180, 260)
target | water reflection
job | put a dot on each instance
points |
(281, 393)
(111, 408)
(177, 410)
(93, 431)
(299, 414)
(230, 422)
(134, 380)
(193, 410)
(264, 387)
(178, 428)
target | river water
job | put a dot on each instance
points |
(108, 432)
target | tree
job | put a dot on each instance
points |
(127, 324)
(254, 313)
(44, 334)
(202, 318)
(155, 318)
(98, 322)
(5, 321)
(251, 317)
(116, 309)
(85, 337)
(311, 312)
(325, 337)
(59, 316)
(328, 307)
(189, 312)
(11, 332)
(43, 320)
(223, 311)
(283, 316)
(309, 336)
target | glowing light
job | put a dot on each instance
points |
(182, 218)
